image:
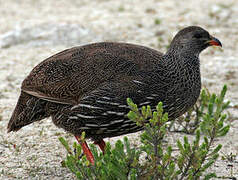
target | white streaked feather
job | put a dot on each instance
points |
(91, 125)
(85, 105)
(171, 108)
(128, 121)
(178, 99)
(105, 97)
(106, 102)
(104, 114)
(84, 128)
(138, 82)
(144, 103)
(149, 97)
(112, 130)
(73, 117)
(116, 121)
(123, 106)
(85, 116)
(117, 113)
(125, 125)
(85, 97)
(104, 125)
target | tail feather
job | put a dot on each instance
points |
(28, 110)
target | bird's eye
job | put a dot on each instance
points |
(197, 35)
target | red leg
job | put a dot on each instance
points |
(86, 150)
(101, 144)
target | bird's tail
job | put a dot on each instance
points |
(28, 110)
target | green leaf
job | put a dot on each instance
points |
(132, 115)
(217, 149)
(143, 111)
(223, 92)
(223, 131)
(132, 105)
(210, 176)
(148, 112)
(65, 144)
(207, 165)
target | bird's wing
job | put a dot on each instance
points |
(70, 87)
(67, 76)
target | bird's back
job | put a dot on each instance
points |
(68, 75)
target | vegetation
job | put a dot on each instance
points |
(153, 158)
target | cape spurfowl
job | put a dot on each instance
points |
(85, 88)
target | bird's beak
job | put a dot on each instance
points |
(214, 42)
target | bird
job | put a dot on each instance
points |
(84, 88)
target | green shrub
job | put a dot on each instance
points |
(154, 158)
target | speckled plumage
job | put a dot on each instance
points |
(85, 88)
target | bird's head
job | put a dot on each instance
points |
(193, 39)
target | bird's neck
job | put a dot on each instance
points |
(184, 51)
(183, 70)
(182, 58)
(182, 65)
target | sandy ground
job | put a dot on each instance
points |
(32, 30)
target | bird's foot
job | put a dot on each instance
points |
(86, 150)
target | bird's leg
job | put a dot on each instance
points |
(86, 150)
(101, 144)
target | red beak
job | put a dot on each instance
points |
(214, 42)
